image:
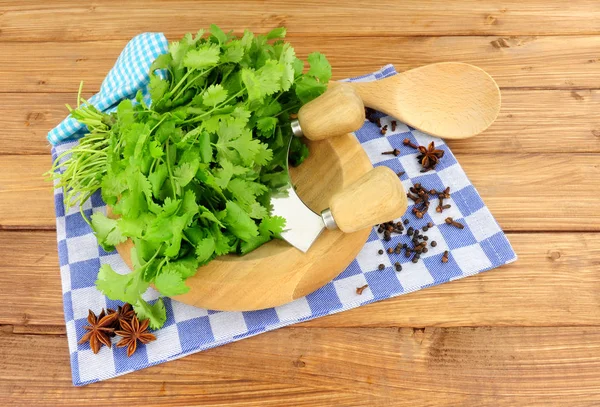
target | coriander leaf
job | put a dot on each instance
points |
(235, 144)
(156, 313)
(186, 266)
(208, 215)
(245, 191)
(205, 147)
(133, 200)
(247, 39)
(204, 57)
(264, 155)
(257, 211)
(308, 88)
(121, 287)
(185, 172)
(214, 95)
(218, 34)
(157, 88)
(125, 113)
(157, 178)
(107, 231)
(240, 224)
(266, 125)
(169, 282)
(298, 65)
(275, 179)
(234, 52)
(319, 67)
(205, 248)
(222, 241)
(276, 33)
(161, 62)
(155, 148)
(272, 225)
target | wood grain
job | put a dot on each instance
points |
(521, 190)
(547, 62)
(557, 275)
(64, 20)
(530, 121)
(312, 366)
(526, 334)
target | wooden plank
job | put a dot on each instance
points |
(524, 191)
(557, 276)
(530, 121)
(550, 62)
(311, 366)
(64, 20)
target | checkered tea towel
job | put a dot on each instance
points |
(480, 246)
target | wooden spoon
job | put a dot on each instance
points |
(451, 100)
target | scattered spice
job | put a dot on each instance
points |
(406, 221)
(395, 151)
(390, 250)
(433, 243)
(124, 313)
(445, 257)
(393, 125)
(401, 173)
(430, 156)
(380, 251)
(409, 143)
(398, 266)
(132, 332)
(99, 330)
(454, 223)
(381, 267)
(370, 114)
(429, 224)
(384, 130)
(359, 290)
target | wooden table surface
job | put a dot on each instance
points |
(524, 334)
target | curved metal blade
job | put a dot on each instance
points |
(302, 226)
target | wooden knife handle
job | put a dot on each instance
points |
(337, 111)
(376, 197)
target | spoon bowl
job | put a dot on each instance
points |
(451, 100)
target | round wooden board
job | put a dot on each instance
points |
(277, 273)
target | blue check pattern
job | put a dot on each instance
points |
(480, 246)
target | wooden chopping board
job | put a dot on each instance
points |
(277, 273)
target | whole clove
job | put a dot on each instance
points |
(433, 243)
(359, 290)
(381, 267)
(394, 152)
(390, 250)
(380, 251)
(393, 125)
(384, 130)
(454, 223)
(445, 257)
(409, 143)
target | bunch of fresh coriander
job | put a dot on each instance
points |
(189, 176)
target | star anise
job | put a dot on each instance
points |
(124, 313)
(133, 331)
(99, 329)
(430, 156)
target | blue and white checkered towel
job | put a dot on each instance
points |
(480, 246)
